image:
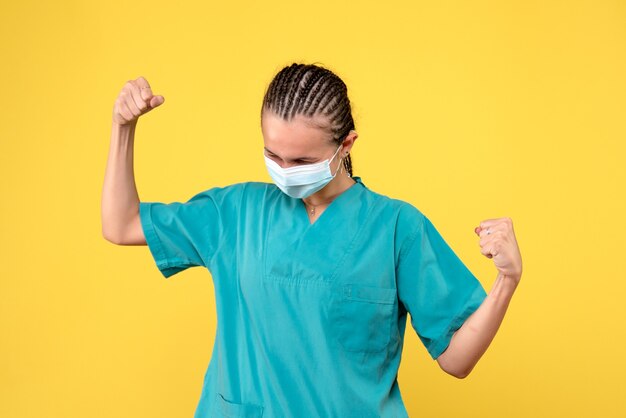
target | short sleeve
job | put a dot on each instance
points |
(434, 285)
(186, 234)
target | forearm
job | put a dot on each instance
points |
(471, 341)
(120, 201)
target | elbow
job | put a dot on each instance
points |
(461, 375)
(458, 373)
(457, 370)
(109, 236)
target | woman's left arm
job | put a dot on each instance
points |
(469, 343)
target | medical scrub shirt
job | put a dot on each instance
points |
(311, 317)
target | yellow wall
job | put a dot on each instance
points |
(469, 110)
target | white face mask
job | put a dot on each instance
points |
(302, 180)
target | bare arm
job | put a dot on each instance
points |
(470, 342)
(120, 200)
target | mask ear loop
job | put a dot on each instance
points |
(340, 167)
(341, 164)
(340, 160)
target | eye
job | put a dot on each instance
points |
(277, 159)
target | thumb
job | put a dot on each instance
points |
(156, 101)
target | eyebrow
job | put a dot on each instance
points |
(300, 158)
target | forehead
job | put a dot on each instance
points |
(301, 136)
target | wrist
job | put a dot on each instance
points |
(511, 279)
(122, 133)
(125, 127)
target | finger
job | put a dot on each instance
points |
(485, 240)
(481, 229)
(157, 101)
(487, 253)
(136, 96)
(144, 87)
(128, 99)
(489, 222)
(489, 232)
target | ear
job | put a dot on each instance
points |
(349, 142)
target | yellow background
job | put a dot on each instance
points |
(468, 110)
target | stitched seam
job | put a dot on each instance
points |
(408, 242)
(161, 260)
(215, 250)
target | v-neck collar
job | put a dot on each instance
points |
(295, 249)
(303, 211)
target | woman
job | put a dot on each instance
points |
(315, 273)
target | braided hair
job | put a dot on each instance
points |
(309, 90)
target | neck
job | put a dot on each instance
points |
(334, 188)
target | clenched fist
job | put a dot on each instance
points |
(134, 100)
(498, 242)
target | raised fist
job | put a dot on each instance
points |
(134, 100)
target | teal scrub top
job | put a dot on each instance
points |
(311, 317)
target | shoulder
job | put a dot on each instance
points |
(231, 197)
(405, 220)
(235, 192)
(409, 222)
(406, 215)
(409, 216)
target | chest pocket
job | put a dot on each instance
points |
(363, 317)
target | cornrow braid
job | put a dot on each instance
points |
(284, 89)
(310, 90)
(294, 91)
(313, 78)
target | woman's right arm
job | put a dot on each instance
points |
(120, 201)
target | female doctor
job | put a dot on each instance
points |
(314, 273)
